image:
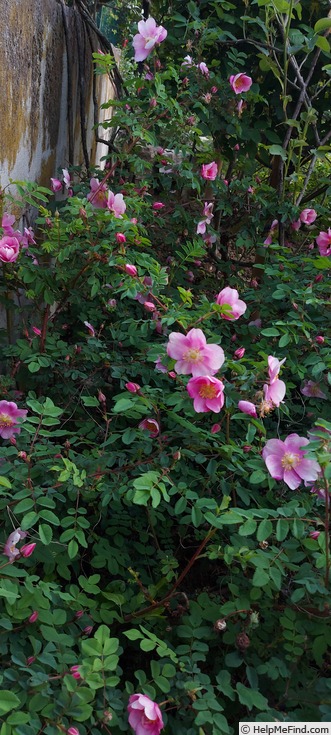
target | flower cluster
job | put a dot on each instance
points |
(102, 198)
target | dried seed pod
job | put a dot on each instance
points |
(242, 641)
(220, 625)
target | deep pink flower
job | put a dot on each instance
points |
(209, 171)
(9, 413)
(9, 249)
(193, 355)
(132, 387)
(324, 242)
(230, 297)
(274, 392)
(286, 460)
(312, 390)
(116, 204)
(207, 393)
(240, 83)
(56, 185)
(308, 216)
(33, 617)
(149, 35)
(27, 550)
(158, 205)
(248, 408)
(98, 194)
(151, 426)
(145, 716)
(10, 549)
(131, 270)
(203, 68)
(120, 237)
(239, 353)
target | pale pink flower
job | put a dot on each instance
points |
(207, 393)
(208, 214)
(296, 225)
(230, 297)
(240, 107)
(98, 194)
(188, 61)
(240, 83)
(56, 185)
(150, 425)
(312, 390)
(10, 549)
(159, 366)
(145, 716)
(33, 617)
(28, 237)
(66, 177)
(9, 249)
(209, 171)
(272, 231)
(149, 306)
(248, 408)
(9, 413)
(203, 68)
(274, 366)
(256, 323)
(131, 270)
(308, 216)
(90, 329)
(274, 392)
(324, 242)
(149, 35)
(286, 460)
(27, 550)
(7, 223)
(193, 354)
(116, 204)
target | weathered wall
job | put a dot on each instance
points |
(46, 86)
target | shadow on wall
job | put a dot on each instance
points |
(50, 95)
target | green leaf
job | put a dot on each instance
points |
(277, 150)
(264, 530)
(8, 701)
(322, 43)
(322, 25)
(282, 529)
(260, 578)
(271, 331)
(45, 533)
(257, 477)
(251, 698)
(4, 482)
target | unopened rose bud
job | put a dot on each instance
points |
(131, 270)
(213, 90)
(295, 305)
(22, 455)
(242, 641)
(120, 237)
(234, 338)
(79, 614)
(112, 303)
(49, 222)
(27, 550)
(33, 617)
(236, 147)
(107, 715)
(158, 205)
(176, 456)
(215, 428)
(73, 731)
(13, 441)
(314, 534)
(101, 397)
(189, 276)
(254, 283)
(30, 660)
(88, 629)
(318, 278)
(153, 102)
(74, 670)
(82, 213)
(172, 374)
(239, 353)
(220, 625)
(320, 339)
(149, 306)
(132, 387)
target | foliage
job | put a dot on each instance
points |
(174, 565)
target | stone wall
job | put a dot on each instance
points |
(47, 89)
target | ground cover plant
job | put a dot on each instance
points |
(164, 407)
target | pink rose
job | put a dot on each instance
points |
(116, 204)
(324, 242)
(209, 171)
(145, 716)
(207, 393)
(193, 355)
(308, 216)
(149, 35)
(230, 297)
(9, 413)
(9, 249)
(240, 83)
(286, 460)
(151, 426)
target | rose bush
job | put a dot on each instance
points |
(161, 572)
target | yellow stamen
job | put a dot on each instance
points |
(290, 460)
(208, 391)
